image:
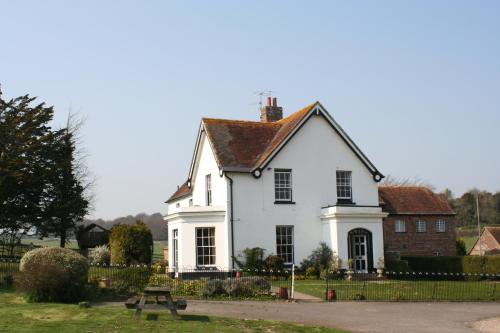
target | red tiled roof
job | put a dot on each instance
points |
(182, 191)
(243, 145)
(412, 200)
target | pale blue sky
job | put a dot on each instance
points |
(416, 84)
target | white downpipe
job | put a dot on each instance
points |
(293, 281)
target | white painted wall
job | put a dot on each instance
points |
(314, 154)
(205, 165)
(186, 221)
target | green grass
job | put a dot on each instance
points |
(19, 316)
(469, 242)
(158, 250)
(397, 290)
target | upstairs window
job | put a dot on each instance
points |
(344, 185)
(400, 226)
(282, 185)
(440, 226)
(208, 189)
(421, 226)
(284, 243)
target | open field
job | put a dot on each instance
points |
(20, 316)
(400, 290)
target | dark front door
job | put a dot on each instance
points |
(360, 250)
(360, 258)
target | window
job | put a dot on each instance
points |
(205, 247)
(344, 188)
(178, 205)
(421, 226)
(190, 202)
(208, 189)
(284, 243)
(283, 185)
(440, 226)
(175, 245)
(400, 226)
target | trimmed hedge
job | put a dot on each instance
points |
(455, 264)
(131, 244)
(53, 275)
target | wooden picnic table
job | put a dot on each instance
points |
(156, 298)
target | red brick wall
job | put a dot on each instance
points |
(427, 243)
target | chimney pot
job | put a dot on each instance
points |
(271, 112)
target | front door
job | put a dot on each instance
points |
(360, 263)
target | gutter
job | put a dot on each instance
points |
(231, 220)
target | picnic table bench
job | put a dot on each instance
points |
(155, 298)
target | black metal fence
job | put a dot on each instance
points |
(413, 286)
(197, 283)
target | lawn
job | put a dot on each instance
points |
(398, 290)
(19, 316)
(469, 242)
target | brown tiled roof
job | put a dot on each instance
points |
(181, 192)
(243, 145)
(495, 232)
(412, 200)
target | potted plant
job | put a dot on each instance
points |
(380, 266)
(350, 271)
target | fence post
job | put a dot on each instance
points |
(293, 281)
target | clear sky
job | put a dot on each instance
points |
(416, 84)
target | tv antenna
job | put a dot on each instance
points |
(262, 94)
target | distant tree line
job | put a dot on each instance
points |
(155, 222)
(465, 207)
(43, 184)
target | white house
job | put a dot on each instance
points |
(282, 184)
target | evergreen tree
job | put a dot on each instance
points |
(25, 138)
(66, 202)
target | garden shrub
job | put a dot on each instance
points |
(460, 246)
(237, 287)
(131, 244)
(320, 260)
(214, 288)
(400, 266)
(100, 255)
(130, 280)
(275, 263)
(53, 275)
(455, 264)
(253, 259)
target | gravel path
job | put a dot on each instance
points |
(387, 317)
(491, 325)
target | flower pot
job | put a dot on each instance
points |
(331, 295)
(282, 293)
(103, 283)
(380, 271)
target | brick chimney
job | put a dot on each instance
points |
(271, 112)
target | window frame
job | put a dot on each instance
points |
(175, 247)
(208, 189)
(211, 234)
(289, 231)
(288, 188)
(420, 223)
(342, 182)
(438, 223)
(399, 222)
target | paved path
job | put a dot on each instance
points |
(397, 317)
